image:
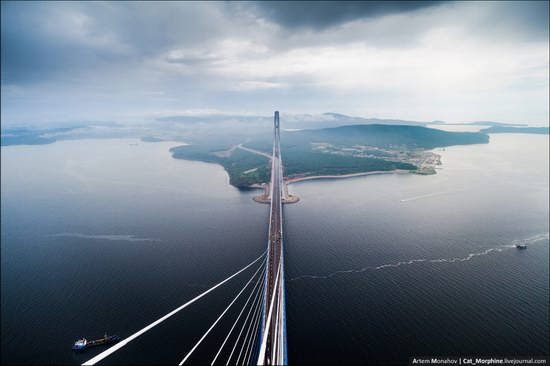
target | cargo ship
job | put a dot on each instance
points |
(83, 343)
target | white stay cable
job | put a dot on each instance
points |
(250, 349)
(261, 357)
(256, 300)
(249, 331)
(221, 316)
(255, 290)
(124, 342)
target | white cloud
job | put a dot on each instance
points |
(457, 62)
(198, 112)
(256, 85)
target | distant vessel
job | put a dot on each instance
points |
(521, 246)
(83, 343)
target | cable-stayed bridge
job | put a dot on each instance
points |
(273, 344)
(258, 334)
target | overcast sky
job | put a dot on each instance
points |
(122, 62)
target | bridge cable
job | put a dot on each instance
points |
(249, 332)
(124, 342)
(244, 324)
(261, 357)
(220, 317)
(256, 328)
(255, 290)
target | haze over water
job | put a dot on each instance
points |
(107, 236)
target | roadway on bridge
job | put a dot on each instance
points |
(274, 344)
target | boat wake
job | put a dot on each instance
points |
(530, 240)
(429, 195)
(104, 237)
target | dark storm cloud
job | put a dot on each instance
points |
(31, 49)
(324, 14)
(126, 60)
(44, 40)
(527, 18)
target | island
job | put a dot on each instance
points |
(329, 152)
(27, 136)
(491, 123)
(506, 129)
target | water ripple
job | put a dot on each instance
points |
(104, 237)
(530, 240)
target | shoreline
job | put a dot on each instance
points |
(256, 186)
(397, 171)
(313, 177)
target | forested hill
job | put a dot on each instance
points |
(530, 130)
(386, 136)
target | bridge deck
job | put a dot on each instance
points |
(275, 328)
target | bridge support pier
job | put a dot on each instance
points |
(287, 198)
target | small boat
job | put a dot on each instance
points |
(83, 343)
(521, 246)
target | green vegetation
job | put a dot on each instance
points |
(530, 130)
(491, 123)
(385, 136)
(24, 136)
(379, 136)
(244, 168)
(298, 161)
(330, 151)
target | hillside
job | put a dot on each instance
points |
(332, 151)
(529, 130)
(386, 136)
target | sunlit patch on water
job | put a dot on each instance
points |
(104, 237)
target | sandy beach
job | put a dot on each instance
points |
(398, 171)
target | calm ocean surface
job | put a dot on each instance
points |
(107, 236)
